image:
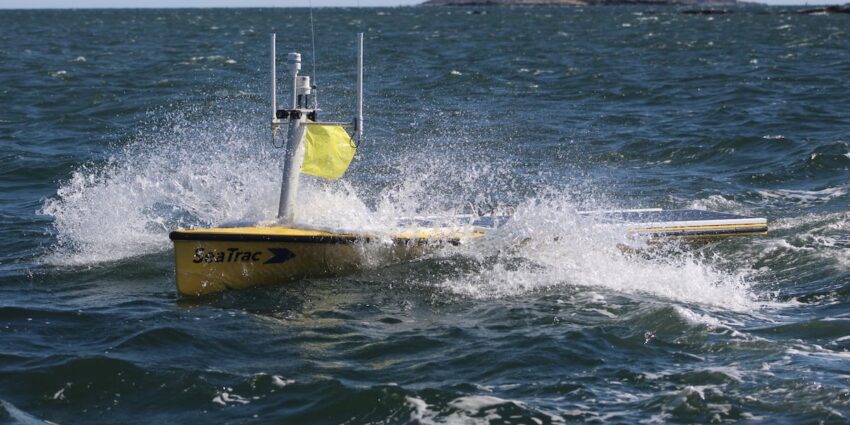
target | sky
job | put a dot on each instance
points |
(82, 4)
(66, 4)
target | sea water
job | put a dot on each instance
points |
(119, 126)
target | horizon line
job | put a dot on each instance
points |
(742, 3)
(749, 3)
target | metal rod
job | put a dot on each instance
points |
(328, 123)
(294, 90)
(294, 69)
(359, 86)
(274, 81)
(293, 159)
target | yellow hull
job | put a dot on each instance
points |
(214, 260)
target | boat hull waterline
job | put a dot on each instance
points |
(215, 260)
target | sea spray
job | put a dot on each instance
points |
(181, 174)
(194, 168)
(201, 172)
(548, 245)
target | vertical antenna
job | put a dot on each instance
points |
(313, 43)
(274, 82)
(359, 127)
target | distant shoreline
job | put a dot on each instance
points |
(698, 6)
(461, 3)
(489, 3)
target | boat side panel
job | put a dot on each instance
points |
(209, 266)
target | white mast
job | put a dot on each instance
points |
(294, 154)
(297, 116)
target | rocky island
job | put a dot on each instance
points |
(708, 3)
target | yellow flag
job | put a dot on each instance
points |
(327, 152)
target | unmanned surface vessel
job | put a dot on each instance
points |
(217, 259)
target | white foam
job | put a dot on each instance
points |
(720, 203)
(819, 236)
(477, 403)
(698, 319)
(814, 350)
(420, 409)
(732, 372)
(60, 395)
(833, 221)
(548, 246)
(224, 398)
(279, 381)
(472, 410)
(805, 196)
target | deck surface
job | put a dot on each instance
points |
(671, 223)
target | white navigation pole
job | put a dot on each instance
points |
(294, 154)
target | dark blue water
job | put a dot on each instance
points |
(119, 126)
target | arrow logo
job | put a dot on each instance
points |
(279, 255)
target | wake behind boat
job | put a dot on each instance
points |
(217, 259)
